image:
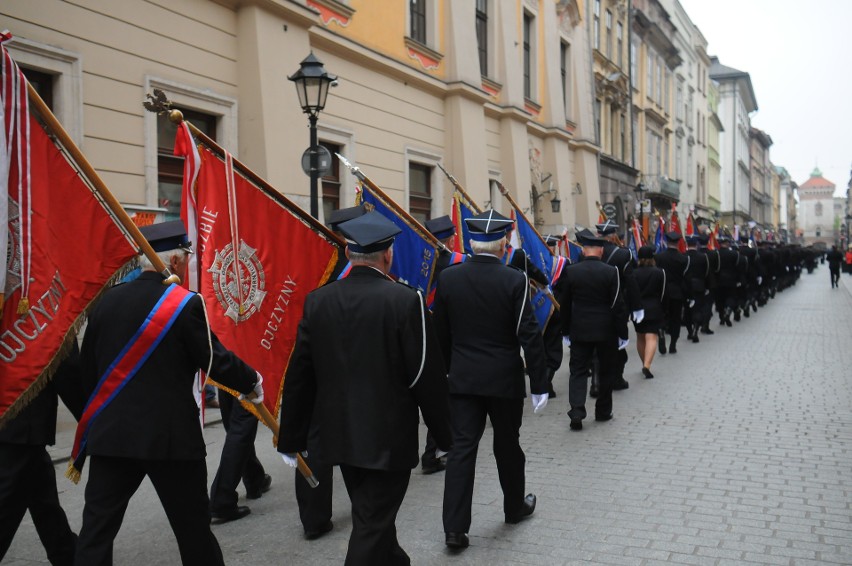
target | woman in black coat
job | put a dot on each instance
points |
(652, 286)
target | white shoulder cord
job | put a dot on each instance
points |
(524, 303)
(663, 294)
(423, 333)
(209, 336)
(618, 286)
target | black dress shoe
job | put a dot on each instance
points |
(603, 418)
(234, 514)
(315, 534)
(647, 373)
(457, 540)
(593, 391)
(707, 331)
(673, 348)
(263, 488)
(576, 424)
(526, 510)
(620, 385)
(662, 344)
(695, 338)
(736, 315)
(436, 465)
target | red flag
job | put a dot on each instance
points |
(713, 243)
(690, 225)
(64, 244)
(637, 234)
(259, 258)
(675, 227)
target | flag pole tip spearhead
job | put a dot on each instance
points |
(175, 116)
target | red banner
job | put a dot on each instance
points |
(675, 227)
(258, 261)
(69, 251)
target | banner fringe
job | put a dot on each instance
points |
(24, 305)
(73, 473)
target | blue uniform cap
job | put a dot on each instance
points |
(441, 227)
(343, 214)
(607, 228)
(488, 226)
(586, 238)
(167, 236)
(369, 233)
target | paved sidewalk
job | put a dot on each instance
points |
(738, 452)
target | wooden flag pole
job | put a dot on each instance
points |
(56, 129)
(505, 192)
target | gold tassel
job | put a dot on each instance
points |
(23, 305)
(73, 473)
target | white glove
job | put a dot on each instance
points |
(440, 453)
(691, 303)
(759, 279)
(638, 316)
(539, 402)
(258, 391)
(623, 342)
(739, 284)
(566, 340)
(290, 459)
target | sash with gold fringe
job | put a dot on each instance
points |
(125, 366)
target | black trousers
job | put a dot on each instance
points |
(28, 481)
(674, 317)
(315, 502)
(582, 356)
(239, 460)
(182, 489)
(467, 417)
(376, 497)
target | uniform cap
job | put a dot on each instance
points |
(369, 233)
(693, 239)
(646, 252)
(607, 228)
(586, 238)
(703, 239)
(488, 226)
(167, 236)
(441, 227)
(551, 240)
(343, 214)
(673, 236)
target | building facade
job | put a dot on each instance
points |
(816, 211)
(736, 103)
(496, 91)
(761, 171)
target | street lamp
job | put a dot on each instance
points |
(640, 190)
(312, 82)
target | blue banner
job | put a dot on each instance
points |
(413, 254)
(542, 307)
(659, 237)
(536, 249)
(575, 251)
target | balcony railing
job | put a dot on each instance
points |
(663, 185)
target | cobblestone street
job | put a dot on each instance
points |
(738, 452)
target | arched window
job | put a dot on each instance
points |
(818, 209)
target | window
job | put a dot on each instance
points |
(42, 83)
(818, 212)
(667, 88)
(598, 121)
(482, 35)
(679, 100)
(658, 91)
(528, 56)
(597, 24)
(678, 158)
(417, 10)
(619, 53)
(634, 65)
(330, 190)
(613, 131)
(564, 53)
(649, 75)
(689, 165)
(623, 130)
(420, 191)
(609, 34)
(169, 166)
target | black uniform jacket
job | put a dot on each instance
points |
(592, 307)
(729, 273)
(622, 259)
(35, 425)
(154, 417)
(675, 264)
(697, 274)
(365, 359)
(483, 317)
(652, 287)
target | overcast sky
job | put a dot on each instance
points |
(799, 57)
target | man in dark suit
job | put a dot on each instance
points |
(445, 231)
(151, 426)
(696, 286)
(483, 318)
(618, 256)
(675, 264)
(552, 334)
(712, 282)
(27, 476)
(364, 392)
(594, 324)
(729, 280)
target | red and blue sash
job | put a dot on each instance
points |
(455, 257)
(126, 365)
(346, 270)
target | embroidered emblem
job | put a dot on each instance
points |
(239, 281)
(13, 250)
